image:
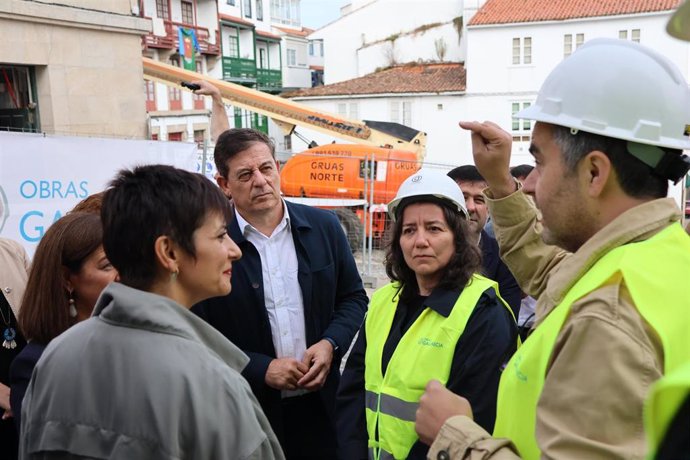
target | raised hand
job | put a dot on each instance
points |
(491, 147)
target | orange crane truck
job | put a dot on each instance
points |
(354, 179)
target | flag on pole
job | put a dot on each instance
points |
(188, 47)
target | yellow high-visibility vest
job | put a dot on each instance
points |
(656, 272)
(665, 399)
(425, 352)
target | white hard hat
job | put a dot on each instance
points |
(618, 89)
(679, 24)
(431, 183)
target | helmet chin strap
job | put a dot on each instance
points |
(668, 165)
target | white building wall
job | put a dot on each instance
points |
(419, 47)
(494, 83)
(150, 8)
(297, 75)
(246, 44)
(265, 22)
(381, 21)
(175, 11)
(231, 10)
(274, 57)
(206, 17)
(497, 73)
(317, 57)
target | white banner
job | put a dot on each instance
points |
(42, 177)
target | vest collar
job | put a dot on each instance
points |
(442, 300)
(636, 224)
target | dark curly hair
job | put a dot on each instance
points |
(466, 260)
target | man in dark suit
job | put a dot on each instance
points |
(472, 183)
(297, 298)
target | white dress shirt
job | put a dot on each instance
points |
(282, 292)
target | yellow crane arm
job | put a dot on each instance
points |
(288, 114)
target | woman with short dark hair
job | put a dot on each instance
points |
(437, 320)
(144, 377)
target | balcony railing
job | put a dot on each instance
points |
(239, 70)
(269, 79)
(171, 38)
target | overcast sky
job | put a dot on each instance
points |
(318, 13)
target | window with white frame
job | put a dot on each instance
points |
(354, 111)
(291, 57)
(522, 50)
(632, 35)
(187, 9)
(568, 47)
(174, 93)
(316, 48)
(285, 12)
(233, 49)
(401, 112)
(247, 5)
(199, 135)
(162, 9)
(349, 110)
(150, 91)
(520, 128)
(262, 58)
(260, 10)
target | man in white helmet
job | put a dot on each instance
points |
(609, 262)
(667, 410)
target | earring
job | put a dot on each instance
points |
(72, 306)
(173, 275)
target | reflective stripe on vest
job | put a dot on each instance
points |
(380, 454)
(390, 405)
(666, 398)
(425, 352)
(655, 272)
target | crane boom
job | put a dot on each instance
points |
(288, 114)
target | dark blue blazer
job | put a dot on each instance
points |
(20, 374)
(495, 269)
(332, 291)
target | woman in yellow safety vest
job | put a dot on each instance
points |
(437, 320)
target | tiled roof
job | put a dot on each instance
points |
(267, 34)
(516, 11)
(235, 19)
(412, 78)
(303, 32)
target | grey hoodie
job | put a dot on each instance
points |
(144, 378)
